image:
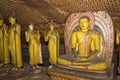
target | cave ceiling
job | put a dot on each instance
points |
(43, 11)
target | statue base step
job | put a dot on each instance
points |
(57, 73)
(118, 70)
(35, 72)
(4, 68)
(20, 73)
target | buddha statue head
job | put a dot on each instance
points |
(51, 25)
(31, 26)
(1, 20)
(12, 20)
(84, 23)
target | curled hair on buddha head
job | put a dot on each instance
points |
(84, 17)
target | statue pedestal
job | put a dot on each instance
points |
(118, 71)
(35, 72)
(15, 74)
(4, 68)
(57, 73)
(19, 74)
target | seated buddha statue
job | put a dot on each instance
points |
(88, 47)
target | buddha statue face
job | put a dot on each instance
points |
(84, 23)
(12, 20)
(31, 27)
(51, 27)
(1, 22)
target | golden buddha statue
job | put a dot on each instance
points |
(89, 44)
(15, 44)
(53, 43)
(33, 38)
(4, 52)
(88, 41)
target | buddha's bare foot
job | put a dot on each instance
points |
(6, 65)
(13, 69)
(33, 67)
(37, 66)
(19, 69)
(16, 69)
(1, 64)
(50, 67)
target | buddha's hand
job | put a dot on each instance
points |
(4, 28)
(26, 33)
(93, 54)
(15, 31)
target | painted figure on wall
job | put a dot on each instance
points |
(53, 43)
(15, 44)
(34, 45)
(88, 41)
(4, 52)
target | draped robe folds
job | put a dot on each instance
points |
(53, 46)
(4, 52)
(88, 49)
(34, 45)
(15, 45)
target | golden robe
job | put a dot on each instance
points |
(53, 46)
(15, 45)
(33, 38)
(4, 52)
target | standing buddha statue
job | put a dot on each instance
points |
(4, 52)
(53, 43)
(34, 46)
(15, 44)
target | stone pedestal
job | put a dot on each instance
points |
(57, 73)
